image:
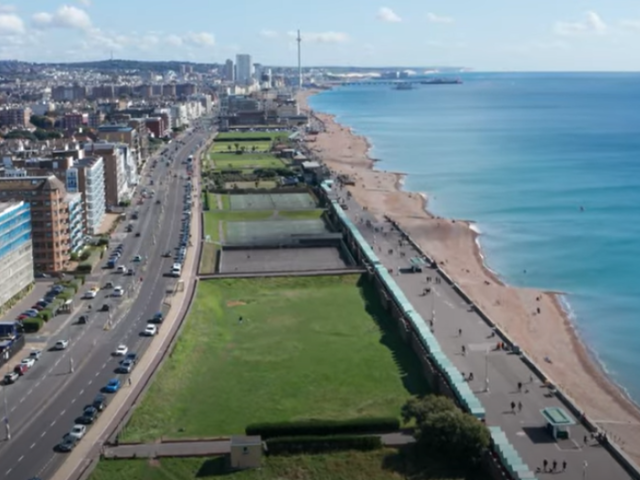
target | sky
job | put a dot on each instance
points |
(488, 35)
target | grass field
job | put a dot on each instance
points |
(248, 162)
(222, 146)
(268, 184)
(309, 347)
(377, 465)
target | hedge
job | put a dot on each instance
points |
(315, 444)
(32, 325)
(324, 427)
(84, 268)
(46, 314)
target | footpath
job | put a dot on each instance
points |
(205, 448)
(81, 460)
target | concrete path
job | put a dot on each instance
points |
(210, 447)
(524, 428)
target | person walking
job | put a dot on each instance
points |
(513, 407)
(464, 350)
(554, 465)
(519, 406)
(564, 465)
(519, 386)
(545, 464)
(459, 332)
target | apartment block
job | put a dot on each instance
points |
(77, 227)
(74, 120)
(15, 117)
(87, 177)
(47, 197)
(117, 167)
(16, 254)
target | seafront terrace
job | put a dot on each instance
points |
(499, 370)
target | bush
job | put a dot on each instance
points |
(324, 427)
(103, 242)
(46, 314)
(32, 325)
(85, 254)
(315, 444)
(81, 279)
(84, 268)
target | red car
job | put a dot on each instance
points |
(20, 369)
(23, 317)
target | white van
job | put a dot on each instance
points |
(176, 270)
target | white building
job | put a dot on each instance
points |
(87, 176)
(243, 69)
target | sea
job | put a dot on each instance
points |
(547, 165)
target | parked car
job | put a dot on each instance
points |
(100, 402)
(11, 377)
(67, 444)
(77, 432)
(28, 362)
(157, 318)
(88, 416)
(20, 369)
(35, 354)
(125, 366)
(150, 331)
(113, 386)
(130, 357)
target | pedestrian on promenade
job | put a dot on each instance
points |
(513, 407)
(459, 332)
(519, 386)
(545, 464)
(564, 465)
(471, 376)
(129, 381)
(586, 440)
(519, 406)
(464, 350)
(554, 466)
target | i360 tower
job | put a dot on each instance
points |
(299, 61)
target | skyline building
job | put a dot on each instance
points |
(243, 68)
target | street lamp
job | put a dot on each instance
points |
(486, 371)
(584, 470)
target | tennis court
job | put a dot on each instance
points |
(272, 201)
(271, 231)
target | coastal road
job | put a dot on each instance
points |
(58, 388)
(455, 326)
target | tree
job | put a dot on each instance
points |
(442, 428)
(41, 121)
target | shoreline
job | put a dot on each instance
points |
(545, 333)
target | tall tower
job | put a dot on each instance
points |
(299, 61)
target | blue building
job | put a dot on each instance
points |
(16, 250)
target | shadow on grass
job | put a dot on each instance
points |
(413, 463)
(216, 466)
(404, 356)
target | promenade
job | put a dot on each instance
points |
(456, 326)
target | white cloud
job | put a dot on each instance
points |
(11, 24)
(433, 18)
(630, 24)
(174, 40)
(385, 14)
(269, 34)
(322, 37)
(65, 17)
(201, 39)
(85, 3)
(590, 24)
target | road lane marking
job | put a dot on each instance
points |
(9, 471)
(43, 434)
(90, 382)
(53, 423)
(73, 400)
(33, 445)
(81, 392)
(62, 412)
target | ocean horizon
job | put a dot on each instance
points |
(546, 166)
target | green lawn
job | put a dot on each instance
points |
(260, 146)
(247, 161)
(309, 347)
(268, 184)
(351, 465)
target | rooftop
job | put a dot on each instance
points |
(7, 206)
(46, 183)
(87, 162)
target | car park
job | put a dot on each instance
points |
(113, 386)
(61, 344)
(77, 432)
(150, 331)
(11, 377)
(121, 351)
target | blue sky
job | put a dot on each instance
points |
(489, 35)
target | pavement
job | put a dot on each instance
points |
(210, 447)
(455, 326)
(43, 404)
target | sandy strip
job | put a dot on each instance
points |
(545, 334)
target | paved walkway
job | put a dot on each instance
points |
(455, 326)
(210, 447)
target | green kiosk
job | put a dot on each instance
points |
(558, 422)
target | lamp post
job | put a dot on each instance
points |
(486, 371)
(584, 470)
